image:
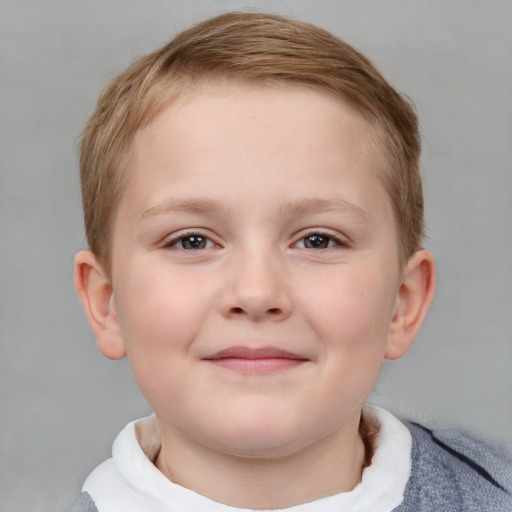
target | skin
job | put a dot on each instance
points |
(254, 222)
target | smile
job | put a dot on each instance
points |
(260, 360)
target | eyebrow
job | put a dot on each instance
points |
(300, 207)
(185, 205)
(316, 205)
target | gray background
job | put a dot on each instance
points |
(61, 402)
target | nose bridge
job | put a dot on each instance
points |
(256, 285)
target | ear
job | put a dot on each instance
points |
(413, 300)
(95, 290)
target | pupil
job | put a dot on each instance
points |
(194, 242)
(317, 241)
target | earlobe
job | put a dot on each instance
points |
(94, 288)
(413, 300)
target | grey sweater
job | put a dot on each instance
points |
(451, 472)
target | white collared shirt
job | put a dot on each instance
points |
(130, 482)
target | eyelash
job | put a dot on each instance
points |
(342, 242)
(184, 236)
(172, 242)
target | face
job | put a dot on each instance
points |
(255, 268)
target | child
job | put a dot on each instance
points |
(254, 213)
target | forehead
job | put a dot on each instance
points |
(215, 116)
(226, 131)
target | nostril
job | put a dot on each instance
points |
(271, 311)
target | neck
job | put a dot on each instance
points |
(331, 465)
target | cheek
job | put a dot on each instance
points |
(162, 305)
(351, 311)
(160, 315)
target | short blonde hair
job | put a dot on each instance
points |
(254, 49)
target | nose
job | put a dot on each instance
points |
(255, 289)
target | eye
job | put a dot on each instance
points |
(318, 241)
(191, 242)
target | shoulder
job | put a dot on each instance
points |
(128, 481)
(458, 472)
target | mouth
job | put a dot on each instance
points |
(256, 360)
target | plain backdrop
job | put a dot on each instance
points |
(62, 403)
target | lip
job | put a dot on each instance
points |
(256, 360)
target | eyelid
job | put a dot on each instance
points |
(341, 240)
(173, 239)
